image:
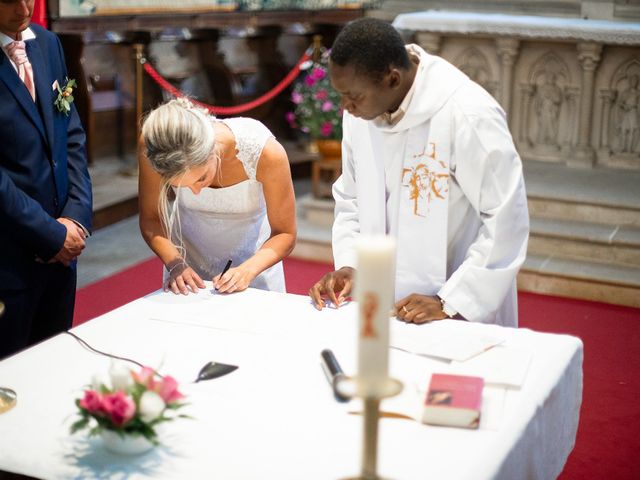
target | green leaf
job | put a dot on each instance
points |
(79, 425)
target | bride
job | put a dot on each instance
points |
(211, 191)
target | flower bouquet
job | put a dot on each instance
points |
(127, 411)
(317, 105)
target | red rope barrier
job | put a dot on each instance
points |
(284, 83)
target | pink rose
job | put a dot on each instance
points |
(321, 95)
(145, 377)
(296, 98)
(92, 402)
(119, 407)
(318, 73)
(327, 106)
(291, 118)
(169, 390)
(326, 128)
(309, 81)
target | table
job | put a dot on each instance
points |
(275, 416)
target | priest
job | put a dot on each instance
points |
(427, 158)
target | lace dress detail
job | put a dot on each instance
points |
(226, 223)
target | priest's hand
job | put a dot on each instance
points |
(419, 309)
(336, 286)
(182, 278)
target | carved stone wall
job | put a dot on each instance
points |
(571, 89)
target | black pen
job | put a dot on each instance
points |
(333, 371)
(225, 269)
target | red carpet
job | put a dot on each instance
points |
(607, 442)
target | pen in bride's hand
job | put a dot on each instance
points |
(225, 269)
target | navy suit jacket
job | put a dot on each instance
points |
(43, 164)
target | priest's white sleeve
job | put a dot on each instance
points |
(346, 225)
(488, 171)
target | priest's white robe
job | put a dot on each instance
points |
(487, 225)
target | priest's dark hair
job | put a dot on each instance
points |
(371, 46)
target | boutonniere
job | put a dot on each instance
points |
(65, 96)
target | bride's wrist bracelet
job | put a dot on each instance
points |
(174, 264)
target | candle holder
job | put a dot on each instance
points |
(8, 397)
(371, 396)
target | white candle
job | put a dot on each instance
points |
(374, 291)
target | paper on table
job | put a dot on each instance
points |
(450, 343)
(501, 365)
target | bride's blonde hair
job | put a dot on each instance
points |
(178, 136)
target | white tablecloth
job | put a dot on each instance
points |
(275, 417)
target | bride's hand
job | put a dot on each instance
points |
(183, 278)
(235, 280)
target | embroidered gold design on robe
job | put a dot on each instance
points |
(427, 180)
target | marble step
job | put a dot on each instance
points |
(611, 244)
(570, 210)
(584, 280)
(115, 190)
(594, 195)
(312, 236)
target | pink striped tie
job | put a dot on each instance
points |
(18, 55)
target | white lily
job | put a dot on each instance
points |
(120, 374)
(151, 406)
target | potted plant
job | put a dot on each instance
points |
(317, 108)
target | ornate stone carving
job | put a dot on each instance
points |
(566, 96)
(548, 106)
(620, 121)
(476, 65)
(626, 124)
(547, 103)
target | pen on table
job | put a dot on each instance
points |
(333, 371)
(225, 269)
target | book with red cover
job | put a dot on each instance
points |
(453, 400)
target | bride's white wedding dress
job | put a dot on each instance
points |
(230, 223)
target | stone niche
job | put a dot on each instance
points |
(570, 86)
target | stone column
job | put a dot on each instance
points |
(431, 42)
(507, 49)
(589, 57)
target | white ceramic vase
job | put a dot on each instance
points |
(125, 444)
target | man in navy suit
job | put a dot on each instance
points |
(45, 190)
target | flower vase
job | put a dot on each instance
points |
(329, 149)
(125, 444)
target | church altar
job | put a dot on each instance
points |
(275, 416)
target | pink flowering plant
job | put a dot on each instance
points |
(317, 105)
(132, 403)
